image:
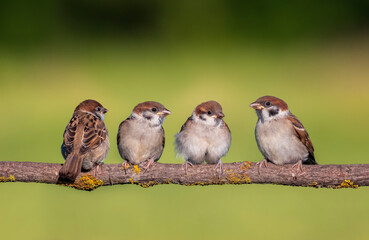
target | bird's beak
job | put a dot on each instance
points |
(219, 116)
(164, 113)
(256, 106)
(104, 110)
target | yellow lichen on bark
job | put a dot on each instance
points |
(11, 178)
(348, 184)
(136, 169)
(87, 182)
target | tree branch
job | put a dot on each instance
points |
(159, 173)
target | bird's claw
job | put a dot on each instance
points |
(185, 165)
(298, 167)
(220, 166)
(262, 164)
(148, 165)
(125, 166)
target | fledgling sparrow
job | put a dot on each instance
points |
(86, 140)
(141, 137)
(280, 136)
(204, 136)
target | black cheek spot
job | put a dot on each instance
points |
(273, 112)
(202, 117)
(147, 116)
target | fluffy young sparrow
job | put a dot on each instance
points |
(204, 136)
(280, 136)
(141, 137)
(86, 140)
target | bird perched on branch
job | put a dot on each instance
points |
(280, 136)
(204, 136)
(86, 140)
(141, 137)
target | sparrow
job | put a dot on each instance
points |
(280, 136)
(141, 137)
(204, 136)
(85, 140)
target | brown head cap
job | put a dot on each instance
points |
(152, 106)
(89, 105)
(211, 108)
(268, 101)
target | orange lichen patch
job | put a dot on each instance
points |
(246, 165)
(314, 184)
(237, 178)
(136, 169)
(11, 178)
(348, 184)
(168, 181)
(131, 181)
(87, 182)
(148, 184)
(145, 184)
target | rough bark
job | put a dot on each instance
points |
(335, 176)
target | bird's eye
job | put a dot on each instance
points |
(267, 104)
(98, 109)
(209, 112)
(154, 109)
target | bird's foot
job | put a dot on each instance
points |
(185, 165)
(125, 166)
(298, 167)
(98, 169)
(149, 163)
(262, 164)
(220, 166)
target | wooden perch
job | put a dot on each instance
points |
(336, 176)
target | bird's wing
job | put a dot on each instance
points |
(186, 124)
(226, 125)
(69, 136)
(303, 135)
(94, 133)
(121, 126)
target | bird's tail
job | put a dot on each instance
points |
(311, 159)
(72, 167)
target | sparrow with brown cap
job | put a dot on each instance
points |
(141, 136)
(86, 140)
(204, 136)
(280, 136)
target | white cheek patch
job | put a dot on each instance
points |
(206, 120)
(266, 116)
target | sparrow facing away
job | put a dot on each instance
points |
(280, 136)
(204, 136)
(141, 137)
(86, 140)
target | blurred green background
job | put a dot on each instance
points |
(312, 54)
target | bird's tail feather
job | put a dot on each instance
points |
(72, 167)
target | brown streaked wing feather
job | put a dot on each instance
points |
(301, 133)
(95, 133)
(68, 136)
(163, 143)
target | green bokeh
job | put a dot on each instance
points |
(312, 54)
(326, 86)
